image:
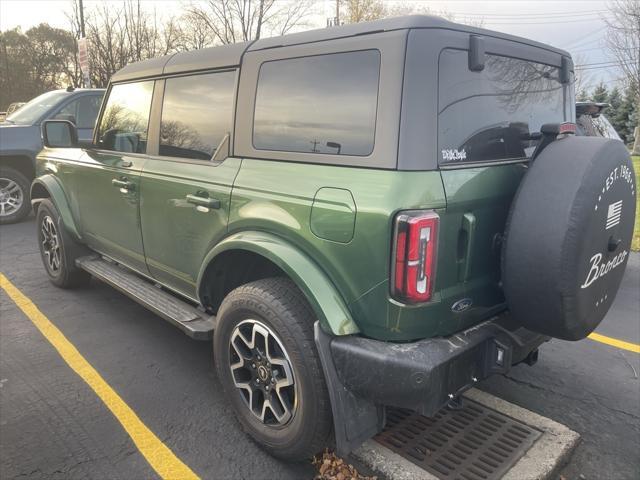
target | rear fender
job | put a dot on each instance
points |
(326, 302)
(56, 194)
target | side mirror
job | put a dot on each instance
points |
(59, 134)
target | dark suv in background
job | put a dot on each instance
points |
(21, 140)
(591, 122)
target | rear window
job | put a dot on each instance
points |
(489, 115)
(318, 104)
(596, 127)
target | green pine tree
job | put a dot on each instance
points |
(600, 93)
(582, 96)
(614, 99)
(624, 119)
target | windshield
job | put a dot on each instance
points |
(32, 111)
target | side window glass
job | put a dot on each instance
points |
(318, 104)
(196, 114)
(125, 121)
(82, 111)
(69, 112)
(87, 111)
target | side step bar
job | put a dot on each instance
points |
(189, 319)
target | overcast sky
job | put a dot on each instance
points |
(575, 25)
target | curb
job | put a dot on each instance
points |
(540, 462)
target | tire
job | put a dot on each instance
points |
(57, 249)
(568, 236)
(15, 200)
(276, 309)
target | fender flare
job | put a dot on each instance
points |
(59, 199)
(326, 302)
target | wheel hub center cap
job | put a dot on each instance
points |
(263, 373)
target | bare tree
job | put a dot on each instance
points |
(367, 10)
(213, 22)
(124, 33)
(623, 39)
(363, 10)
(583, 78)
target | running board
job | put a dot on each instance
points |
(187, 318)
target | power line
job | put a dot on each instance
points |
(587, 49)
(526, 16)
(580, 40)
(544, 22)
(597, 63)
(590, 42)
(617, 65)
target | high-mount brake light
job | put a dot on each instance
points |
(566, 127)
(414, 255)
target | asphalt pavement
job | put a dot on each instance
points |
(52, 425)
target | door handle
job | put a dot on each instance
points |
(203, 201)
(122, 184)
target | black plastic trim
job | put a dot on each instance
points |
(365, 375)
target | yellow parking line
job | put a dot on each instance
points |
(159, 456)
(614, 342)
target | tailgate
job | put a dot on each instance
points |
(478, 202)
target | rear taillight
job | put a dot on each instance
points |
(414, 256)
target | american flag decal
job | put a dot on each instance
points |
(613, 214)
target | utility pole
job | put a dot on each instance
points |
(81, 7)
(83, 50)
(335, 21)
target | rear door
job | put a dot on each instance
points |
(484, 124)
(185, 193)
(108, 178)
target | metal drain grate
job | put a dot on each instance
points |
(474, 443)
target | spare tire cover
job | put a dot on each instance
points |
(568, 236)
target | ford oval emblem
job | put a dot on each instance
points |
(461, 305)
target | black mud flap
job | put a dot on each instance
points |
(355, 420)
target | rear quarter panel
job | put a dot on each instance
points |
(277, 197)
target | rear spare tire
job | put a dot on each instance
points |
(569, 235)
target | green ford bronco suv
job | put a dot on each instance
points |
(372, 215)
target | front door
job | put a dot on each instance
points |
(108, 183)
(185, 192)
(82, 111)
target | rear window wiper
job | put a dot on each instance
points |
(548, 133)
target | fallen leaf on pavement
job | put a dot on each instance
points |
(332, 467)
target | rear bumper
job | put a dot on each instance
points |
(423, 376)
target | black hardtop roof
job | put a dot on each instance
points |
(231, 55)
